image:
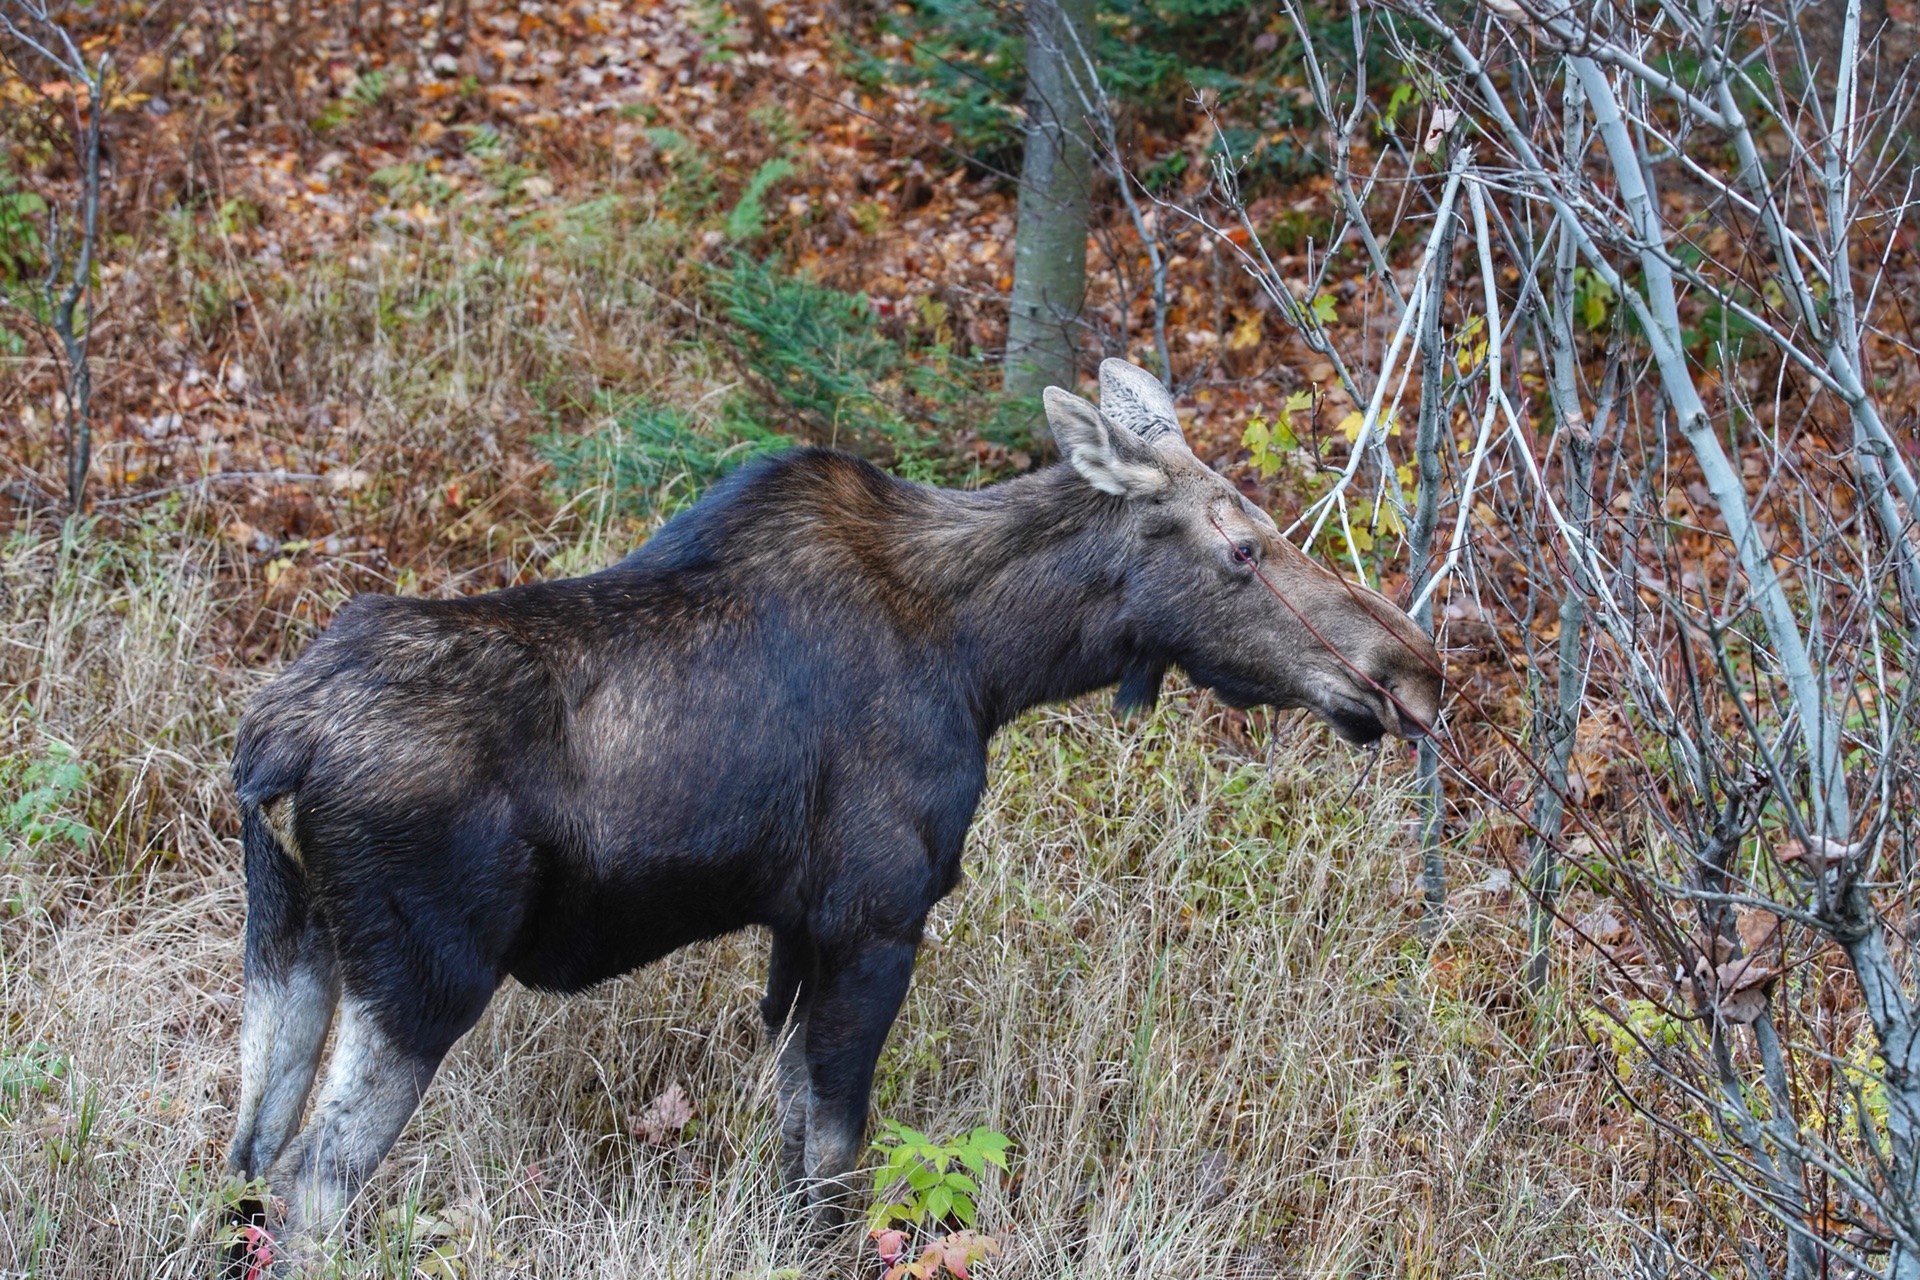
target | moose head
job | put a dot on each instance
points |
(1214, 588)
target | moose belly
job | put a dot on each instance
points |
(590, 925)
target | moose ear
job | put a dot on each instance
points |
(1113, 459)
(1136, 400)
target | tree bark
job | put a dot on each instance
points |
(1050, 244)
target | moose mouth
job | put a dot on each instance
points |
(1362, 724)
(1352, 719)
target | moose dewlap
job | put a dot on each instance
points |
(775, 713)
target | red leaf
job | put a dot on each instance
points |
(259, 1252)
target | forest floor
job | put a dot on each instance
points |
(391, 307)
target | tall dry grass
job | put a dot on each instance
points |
(1185, 978)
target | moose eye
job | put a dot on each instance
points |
(1246, 552)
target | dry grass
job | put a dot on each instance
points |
(1187, 980)
(1184, 980)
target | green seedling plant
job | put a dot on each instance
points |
(940, 1177)
(44, 793)
(28, 1075)
(924, 1185)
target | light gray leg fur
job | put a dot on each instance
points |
(832, 1156)
(371, 1090)
(794, 1097)
(282, 1029)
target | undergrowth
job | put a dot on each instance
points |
(1183, 979)
(654, 460)
(820, 362)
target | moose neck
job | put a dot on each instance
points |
(1031, 575)
(1023, 582)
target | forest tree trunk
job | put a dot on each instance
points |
(1050, 243)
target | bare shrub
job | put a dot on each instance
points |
(1682, 520)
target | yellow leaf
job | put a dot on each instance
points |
(1361, 539)
(1246, 333)
(1405, 473)
(1351, 424)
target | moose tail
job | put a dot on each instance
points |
(292, 986)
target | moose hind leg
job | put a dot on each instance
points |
(372, 1088)
(789, 981)
(847, 1024)
(283, 1027)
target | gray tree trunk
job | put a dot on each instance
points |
(1050, 243)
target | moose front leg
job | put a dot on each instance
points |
(848, 1017)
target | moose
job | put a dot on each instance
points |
(776, 713)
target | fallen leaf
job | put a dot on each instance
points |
(1246, 333)
(347, 479)
(1756, 928)
(1744, 973)
(1715, 950)
(665, 1117)
(1743, 1008)
(1602, 926)
(1830, 851)
(1444, 118)
(1499, 880)
(1734, 989)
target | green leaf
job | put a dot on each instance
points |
(938, 1204)
(749, 216)
(963, 1209)
(1288, 436)
(670, 141)
(1402, 95)
(1323, 309)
